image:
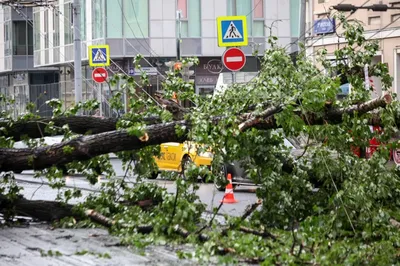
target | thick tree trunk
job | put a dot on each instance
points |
(86, 147)
(77, 124)
(95, 125)
(38, 209)
(332, 116)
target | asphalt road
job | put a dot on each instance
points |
(36, 189)
(25, 245)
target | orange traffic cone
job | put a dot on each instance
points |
(229, 197)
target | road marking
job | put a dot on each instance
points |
(234, 59)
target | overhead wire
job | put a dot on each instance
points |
(23, 15)
(310, 29)
(308, 46)
(339, 24)
(112, 61)
(140, 28)
(126, 20)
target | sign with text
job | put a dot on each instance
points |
(324, 26)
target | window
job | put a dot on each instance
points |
(36, 24)
(395, 17)
(46, 29)
(7, 38)
(114, 26)
(7, 29)
(258, 18)
(68, 27)
(190, 18)
(374, 20)
(98, 19)
(254, 10)
(136, 20)
(56, 27)
(22, 38)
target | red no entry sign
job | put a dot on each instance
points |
(234, 59)
(99, 74)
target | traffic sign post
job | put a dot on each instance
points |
(100, 75)
(99, 55)
(234, 59)
(232, 31)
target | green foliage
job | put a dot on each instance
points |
(325, 207)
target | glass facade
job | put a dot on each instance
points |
(36, 24)
(46, 29)
(190, 18)
(56, 27)
(98, 19)
(22, 38)
(114, 18)
(253, 10)
(295, 18)
(68, 30)
(258, 18)
(136, 20)
(7, 38)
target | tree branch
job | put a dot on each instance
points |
(77, 124)
(86, 147)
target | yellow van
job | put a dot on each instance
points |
(174, 156)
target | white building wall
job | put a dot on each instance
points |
(211, 9)
(162, 27)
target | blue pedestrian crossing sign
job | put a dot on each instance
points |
(99, 55)
(232, 31)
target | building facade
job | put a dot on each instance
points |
(19, 80)
(381, 26)
(150, 28)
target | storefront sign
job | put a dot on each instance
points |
(206, 80)
(209, 65)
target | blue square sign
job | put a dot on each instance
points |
(232, 31)
(99, 55)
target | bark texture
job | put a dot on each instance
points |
(86, 147)
(77, 124)
(38, 209)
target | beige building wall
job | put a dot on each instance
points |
(381, 26)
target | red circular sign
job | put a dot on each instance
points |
(234, 59)
(100, 74)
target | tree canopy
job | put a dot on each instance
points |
(328, 207)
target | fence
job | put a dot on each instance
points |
(64, 90)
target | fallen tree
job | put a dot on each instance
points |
(86, 147)
(348, 220)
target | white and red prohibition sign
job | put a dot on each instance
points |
(99, 74)
(234, 59)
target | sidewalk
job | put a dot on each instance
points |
(40, 245)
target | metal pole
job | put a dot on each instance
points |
(77, 51)
(179, 40)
